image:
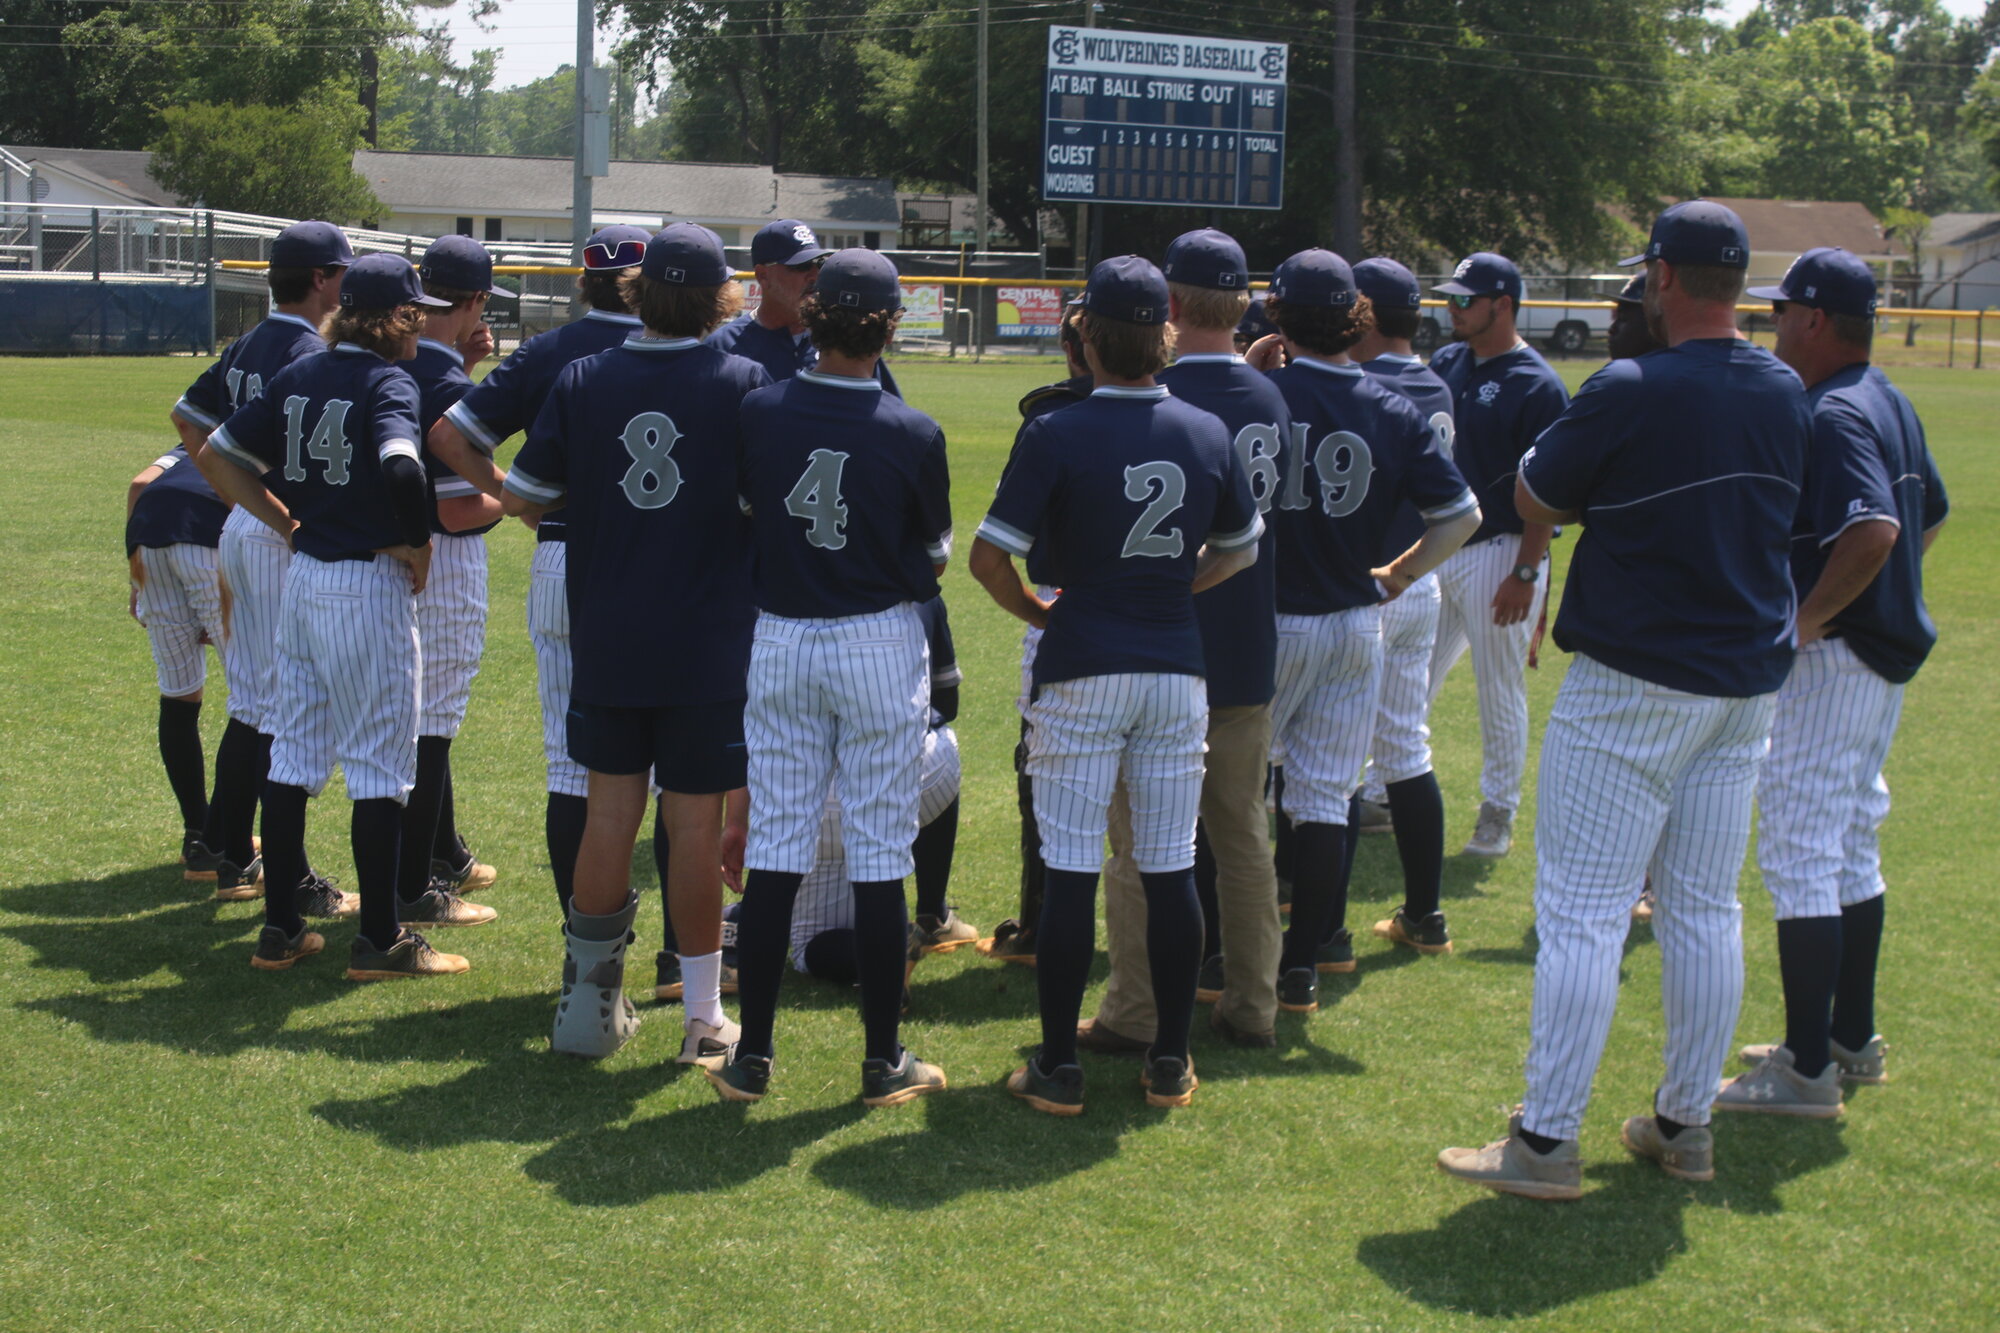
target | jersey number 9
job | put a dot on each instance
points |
(1344, 464)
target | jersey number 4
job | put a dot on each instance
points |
(1344, 464)
(816, 499)
(328, 442)
(1145, 538)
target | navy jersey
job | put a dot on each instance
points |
(441, 381)
(245, 367)
(849, 496)
(1355, 452)
(511, 396)
(1239, 616)
(176, 508)
(639, 444)
(1124, 489)
(944, 655)
(1869, 462)
(1431, 396)
(1499, 406)
(1686, 465)
(781, 352)
(318, 436)
(1039, 403)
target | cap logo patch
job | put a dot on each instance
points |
(1732, 254)
(1226, 279)
(674, 274)
(803, 235)
(1811, 292)
(850, 298)
(1142, 314)
(1464, 266)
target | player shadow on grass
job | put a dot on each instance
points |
(1504, 1257)
(710, 1146)
(1639, 934)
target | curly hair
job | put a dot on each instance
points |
(844, 332)
(382, 332)
(673, 311)
(1322, 330)
(1127, 351)
(604, 288)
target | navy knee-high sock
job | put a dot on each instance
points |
(378, 845)
(1173, 948)
(669, 941)
(562, 825)
(1349, 844)
(763, 934)
(1064, 944)
(420, 817)
(881, 941)
(1284, 850)
(284, 854)
(1854, 993)
(936, 844)
(1204, 892)
(1033, 872)
(1417, 808)
(445, 843)
(180, 751)
(1808, 967)
(240, 760)
(1319, 891)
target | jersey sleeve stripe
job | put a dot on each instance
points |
(165, 461)
(398, 448)
(1868, 516)
(533, 488)
(940, 550)
(194, 416)
(1529, 486)
(1233, 541)
(951, 675)
(1007, 538)
(221, 441)
(471, 427)
(455, 488)
(1785, 482)
(1464, 504)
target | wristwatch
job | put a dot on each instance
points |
(1527, 573)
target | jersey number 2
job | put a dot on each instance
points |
(328, 441)
(816, 499)
(654, 478)
(1145, 538)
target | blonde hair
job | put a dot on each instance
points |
(382, 332)
(1209, 307)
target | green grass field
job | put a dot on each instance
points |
(190, 1144)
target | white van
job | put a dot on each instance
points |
(1563, 330)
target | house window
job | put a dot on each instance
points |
(493, 229)
(464, 227)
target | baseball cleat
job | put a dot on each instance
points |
(945, 934)
(739, 1078)
(1493, 835)
(1058, 1092)
(1337, 954)
(1169, 1081)
(1863, 1066)
(884, 1084)
(317, 897)
(439, 906)
(1775, 1087)
(277, 951)
(236, 884)
(469, 877)
(1688, 1155)
(1374, 818)
(197, 861)
(1208, 981)
(1426, 936)
(1510, 1166)
(1011, 942)
(1298, 991)
(702, 1041)
(410, 956)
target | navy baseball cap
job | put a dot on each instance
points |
(311, 245)
(1697, 231)
(786, 241)
(1207, 258)
(1315, 278)
(1128, 289)
(460, 263)
(1255, 323)
(859, 280)
(686, 254)
(1825, 278)
(1388, 284)
(1483, 274)
(617, 246)
(1634, 290)
(383, 282)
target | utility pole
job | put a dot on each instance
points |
(371, 88)
(580, 205)
(1346, 152)
(979, 217)
(1086, 244)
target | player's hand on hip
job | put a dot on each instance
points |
(1513, 601)
(416, 559)
(1392, 584)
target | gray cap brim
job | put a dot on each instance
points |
(431, 301)
(1454, 289)
(1769, 294)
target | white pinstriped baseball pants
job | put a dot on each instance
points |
(1467, 581)
(1151, 725)
(1329, 680)
(451, 625)
(548, 628)
(253, 561)
(180, 599)
(348, 673)
(852, 695)
(1401, 748)
(1822, 797)
(1637, 777)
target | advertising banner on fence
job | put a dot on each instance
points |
(1027, 312)
(923, 312)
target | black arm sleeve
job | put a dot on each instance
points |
(944, 701)
(409, 497)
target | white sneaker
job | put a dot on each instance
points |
(1494, 834)
(702, 1040)
(1776, 1088)
(1863, 1066)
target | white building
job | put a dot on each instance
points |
(1959, 266)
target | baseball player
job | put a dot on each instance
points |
(338, 433)
(1208, 288)
(1355, 452)
(1630, 334)
(451, 609)
(639, 446)
(1873, 505)
(785, 255)
(1400, 791)
(1504, 394)
(307, 261)
(1013, 940)
(173, 519)
(1142, 502)
(506, 402)
(849, 498)
(1685, 469)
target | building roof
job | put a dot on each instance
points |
(1954, 229)
(122, 173)
(1793, 226)
(464, 183)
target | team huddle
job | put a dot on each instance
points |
(1252, 543)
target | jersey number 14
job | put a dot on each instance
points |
(328, 442)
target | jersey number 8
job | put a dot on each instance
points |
(654, 478)
(328, 442)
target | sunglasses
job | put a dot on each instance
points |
(623, 255)
(1464, 302)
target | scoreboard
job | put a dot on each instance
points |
(1148, 118)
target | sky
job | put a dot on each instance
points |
(535, 36)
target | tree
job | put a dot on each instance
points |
(295, 162)
(1838, 128)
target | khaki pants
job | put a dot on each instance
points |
(1246, 886)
